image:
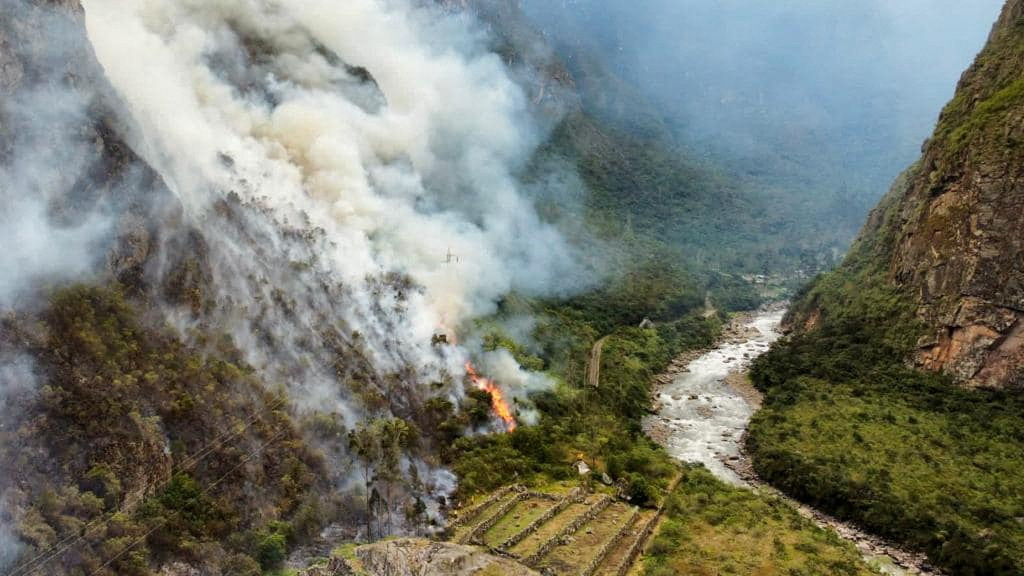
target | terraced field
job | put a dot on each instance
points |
(570, 533)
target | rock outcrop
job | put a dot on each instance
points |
(959, 245)
(413, 557)
(951, 229)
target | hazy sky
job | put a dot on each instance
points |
(856, 85)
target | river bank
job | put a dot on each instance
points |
(700, 417)
(702, 406)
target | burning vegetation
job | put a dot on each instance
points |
(499, 405)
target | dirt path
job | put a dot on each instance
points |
(594, 363)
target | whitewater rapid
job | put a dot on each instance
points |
(703, 416)
(704, 411)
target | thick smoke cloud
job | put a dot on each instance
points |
(376, 145)
(52, 230)
(350, 170)
(837, 93)
(45, 238)
(395, 187)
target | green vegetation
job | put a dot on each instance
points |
(709, 528)
(601, 425)
(155, 449)
(645, 194)
(715, 529)
(379, 444)
(849, 428)
(988, 116)
(979, 112)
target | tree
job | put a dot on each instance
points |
(379, 445)
(365, 445)
(394, 436)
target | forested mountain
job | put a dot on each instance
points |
(237, 271)
(281, 278)
(896, 401)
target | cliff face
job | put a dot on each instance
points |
(58, 110)
(952, 227)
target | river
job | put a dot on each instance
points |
(702, 417)
(704, 407)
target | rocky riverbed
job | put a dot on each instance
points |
(703, 404)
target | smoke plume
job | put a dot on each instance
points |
(385, 126)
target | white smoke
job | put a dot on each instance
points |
(17, 378)
(45, 238)
(17, 381)
(395, 188)
(502, 366)
(52, 229)
(382, 131)
(37, 252)
(9, 547)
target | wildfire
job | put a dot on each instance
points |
(499, 406)
(498, 403)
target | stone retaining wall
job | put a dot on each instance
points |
(536, 524)
(471, 513)
(611, 543)
(569, 529)
(638, 545)
(543, 496)
(476, 534)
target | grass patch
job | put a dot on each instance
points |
(714, 529)
(549, 529)
(601, 425)
(849, 428)
(588, 541)
(518, 517)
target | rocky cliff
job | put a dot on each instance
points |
(950, 232)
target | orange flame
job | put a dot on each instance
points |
(498, 403)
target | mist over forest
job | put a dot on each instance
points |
(830, 99)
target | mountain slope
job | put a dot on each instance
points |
(896, 400)
(213, 348)
(958, 250)
(948, 233)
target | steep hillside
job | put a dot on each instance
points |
(948, 234)
(222, 337)
(896, 399)
(180, 368)
(114, 431)
(958, 250)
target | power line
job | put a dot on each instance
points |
(161, 523)
(70, 541)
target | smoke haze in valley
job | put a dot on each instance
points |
(332, 155)
(834, 95)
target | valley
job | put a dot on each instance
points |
(704, 406)
(473, 287)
